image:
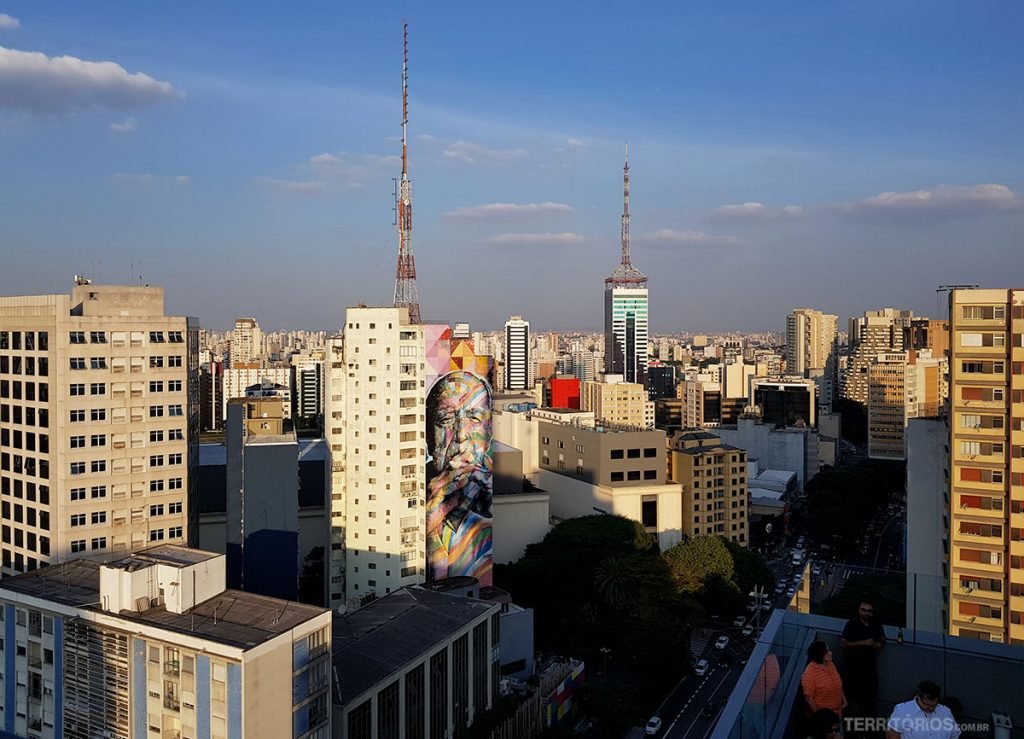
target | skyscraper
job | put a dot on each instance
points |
(625, 308)
(874, 333)
(811, 343)
(517, 354)
(246, 342)
(986, 465)
(99, 423)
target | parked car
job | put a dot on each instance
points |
(722, 642)
(780, 587)
(790, 592)
(748, 630)
(653, 726)
(740, 620)
(702, 668)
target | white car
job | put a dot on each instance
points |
(790, 593)
(701, 668)
(766, 606)
(740, 620)
(722, 642)
(748, 630)
(780, 587)
(653, 726)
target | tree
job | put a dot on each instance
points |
(692, 561)
(750, 570)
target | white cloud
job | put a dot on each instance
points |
(756, 212)
(7, 22)
(507, 211)
(939, 204)
(37, 83)
(689, 238)
(147, 178)
(125, 126)
(538, 238)
(472, 153)
(576, 143)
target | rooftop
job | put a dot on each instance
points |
(170, 554)
(232, 617)
(391, 632)
(982, 677)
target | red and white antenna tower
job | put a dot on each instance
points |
(406, 292)
(626, 275)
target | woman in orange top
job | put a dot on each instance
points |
(823, 688)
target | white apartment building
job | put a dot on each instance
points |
(518, 364)
(615, 401)
(154, 645)
(309, 383)
(237, 379)
(99, 419)
(246, 342)
(812, 340)
(375, 419)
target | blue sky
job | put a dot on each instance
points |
(840, 155)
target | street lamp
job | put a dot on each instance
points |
(604, 651)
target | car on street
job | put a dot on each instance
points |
(722, 642)
(766, 606)
(740, 620)
(780, 587)
(709, 710)
(748, 630)
(790, 592)
(653, 726)
(702, 668)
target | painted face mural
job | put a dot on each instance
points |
(459, 484)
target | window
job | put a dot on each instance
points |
(98, 414)
(633, 475)
(174, 508)
(77, 442)
(174, 410)
(650, 452)
(649, 511)
(76, 337)
(99, 465)
(650, 474)
(617, 477)
(174, 386)
(98, 363)
(175, 435)
(156, 337)
(78, 468)
(77, 494)
(174, 532)
(174, 458)
(77, 416)
(98, 440)
(156, 386)
(174, 361)
(156, 362)
(100, 542)
(633, 454)
(97, 337)
(76, 389)
(175, 483)
(77, 363)
(175, 337)
(99, 517)
(156, 411)
(98, 491)
(78, 545)
(156, 535)
(78, 519)
(156, 510)
(617, 454)
(156, 460)
(156, 486)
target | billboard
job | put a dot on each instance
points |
(459, 469)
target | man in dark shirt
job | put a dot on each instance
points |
(861, 640)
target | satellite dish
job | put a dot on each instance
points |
(768, 528)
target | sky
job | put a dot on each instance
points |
(845, 156)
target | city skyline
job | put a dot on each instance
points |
(829, 153)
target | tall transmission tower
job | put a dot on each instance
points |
(626, 275)
(406, 292)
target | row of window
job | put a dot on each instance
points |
(101, 491)
(25, 415)
(19, 537)
(25, 515)
(27, 440)
(100, 363)
(25, 465)
(634, 475)
(22, 489)
(18, 390)
(78, 415)
(100, 337)
(100, 465)
(27, 340)
(17, 365)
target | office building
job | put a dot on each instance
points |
(986, 470)
(615, 401)
(415, 663)
(262, 484)
(876, 332)
(812, 340)
(785, 401)
(246, 342)
(901, 386)
(565, 392)
(518, 361)
(154, 645)
(99, 419)
(702, 401)
(308, 374)
(713, 476)
(374, 422)
(661, 381)
(211, 395)
(625, 309)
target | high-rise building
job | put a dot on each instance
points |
(785, 401)
(986, 465)
(99, 423)
(152, 644)
(714, 479)
(238, 379)
(246, 342)
(874, 333)
(374, 420)
(309, 384)
(518, 364)
(811, 348)
(614, 401)
(625, 308)
(901, 386)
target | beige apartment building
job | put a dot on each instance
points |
(811, 348)
(99, 416)
(714, 480)
(986, 465)
(874, 333)
(246, 342)
(375, 426)
(615, 401)
(901, 386)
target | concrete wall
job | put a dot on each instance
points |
(519, 520)
(517, 641)
(926, 507)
